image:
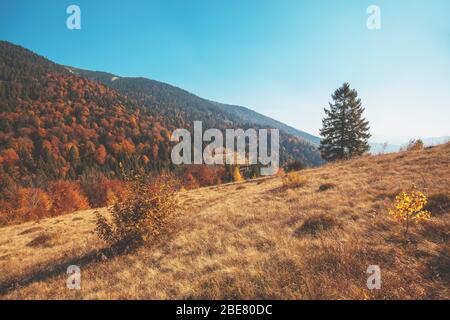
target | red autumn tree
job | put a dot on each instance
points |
(67, 197)
(10, 156)
(100, 155)
(32, 204)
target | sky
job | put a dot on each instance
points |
(280, 58)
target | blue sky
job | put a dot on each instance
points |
(280, 58)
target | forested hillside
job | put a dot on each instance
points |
(58, 126)
(64, 139)
(165, 99)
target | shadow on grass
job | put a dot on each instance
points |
(49, 272)
(278, 190)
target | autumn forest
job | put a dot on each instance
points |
(66, 138)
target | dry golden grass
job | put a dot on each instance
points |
(294, 180)
(257, 239)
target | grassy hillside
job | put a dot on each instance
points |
(257, 239)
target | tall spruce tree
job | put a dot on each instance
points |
(344, 130)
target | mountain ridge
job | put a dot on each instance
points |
(244, 114)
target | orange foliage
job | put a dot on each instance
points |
(191, 182)
(10, 156)
(6, 213)
(100, 191)
(203, 175)
(146, 160)
(128, 147)
(155, 150)
(117, 191)
(133, 121)
(67, 197)
(33, 203)
(206, 176)
(100, 155)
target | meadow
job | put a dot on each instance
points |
(268, 238)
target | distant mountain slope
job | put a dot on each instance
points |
(248, 115)
(162, 97)
(177, 107)
(159, 92)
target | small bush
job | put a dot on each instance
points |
(415, 145)
(191, 182)
(67, 197)
(100, 191)
(149, 205)
(21, 204)
(409, 207)
(33, 203)
(237, 177)
(294, 180)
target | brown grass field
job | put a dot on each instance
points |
(257, 240)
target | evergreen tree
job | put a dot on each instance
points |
(344, 130)
(74, 156)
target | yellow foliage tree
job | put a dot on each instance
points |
(409, 206)
(294, 180)
(237, 175)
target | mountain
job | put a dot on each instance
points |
(56, 125)
(164, 99)
(159, 92)
(167, 100)
(248, 115)
(58, 122)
